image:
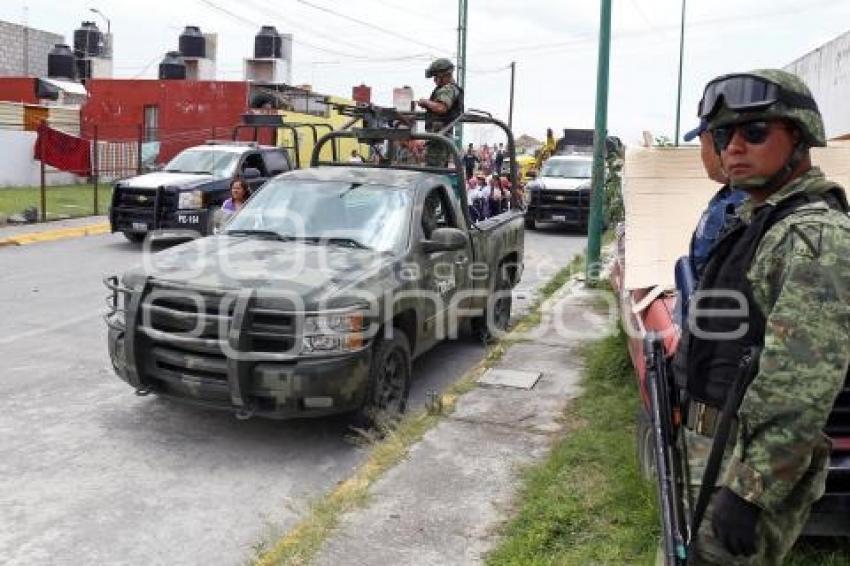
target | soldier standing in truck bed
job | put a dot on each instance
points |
(443, 106)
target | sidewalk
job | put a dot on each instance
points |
(21, 234)
(444, 503)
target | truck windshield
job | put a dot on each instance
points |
(208, 161)
(568, 169)
(331, 212)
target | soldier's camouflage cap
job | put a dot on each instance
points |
(438, 66)
(806, 116)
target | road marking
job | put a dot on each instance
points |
(47, 329)
(57, 234)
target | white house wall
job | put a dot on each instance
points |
(17, 166)
(826, 71)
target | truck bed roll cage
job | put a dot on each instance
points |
(253, 123)
(389, 125)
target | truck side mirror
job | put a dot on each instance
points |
(251, 173)
(445, 240)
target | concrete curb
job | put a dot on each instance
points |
(57, 234)
(474, 454)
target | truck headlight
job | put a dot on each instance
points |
(330, 333)
(190, 199)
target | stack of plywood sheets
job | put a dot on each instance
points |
(835, 161)
(665, 191)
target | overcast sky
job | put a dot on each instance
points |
(554, 44)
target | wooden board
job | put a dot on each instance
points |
(665, 191)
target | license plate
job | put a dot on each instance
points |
(559, 218)
(140, 226)
(188, 219)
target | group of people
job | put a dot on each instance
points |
(488, 160)
(759, 383)
(487, 197)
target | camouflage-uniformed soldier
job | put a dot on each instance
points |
(442, 107)
(788, 256)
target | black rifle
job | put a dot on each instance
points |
(669, 458)
(749, 368)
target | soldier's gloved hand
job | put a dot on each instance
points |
(734, 522)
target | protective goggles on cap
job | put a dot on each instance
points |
(748, 93)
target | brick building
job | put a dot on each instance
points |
(23, 50)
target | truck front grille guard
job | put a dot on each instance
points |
(138, 336)
(122, 205)
(239, 335)
(157, 204)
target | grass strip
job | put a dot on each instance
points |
(62, 201)
(301, 543)
(826, 551)
(587, 503)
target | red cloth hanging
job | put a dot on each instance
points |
(63, 151)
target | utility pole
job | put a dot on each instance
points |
(511, 110)
(594, 233)
(461, 60)
(681, 60)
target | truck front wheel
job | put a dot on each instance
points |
(135, 237)
(389, 380)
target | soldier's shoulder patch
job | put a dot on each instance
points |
(803, 230)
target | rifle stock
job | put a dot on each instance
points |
(668, 456)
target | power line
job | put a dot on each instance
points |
(334, 38)
(645, 19)
(371, 26)
(254, 24)
(408, 10)
(488, 71)
(378, 60)
(266, 6)
(146, 67)
(233, 15)
(588, 38)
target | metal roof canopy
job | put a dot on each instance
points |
(70, 87)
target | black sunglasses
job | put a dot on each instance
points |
(754, 133)
(742, 92)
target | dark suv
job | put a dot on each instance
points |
(190, 189)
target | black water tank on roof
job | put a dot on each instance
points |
(87, 40)
(172, 66)
(267, 43)
(192, 42)
(83, 69)
(60, 62)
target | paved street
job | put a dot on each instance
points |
(92, 474)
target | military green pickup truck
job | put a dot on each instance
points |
(317, 295)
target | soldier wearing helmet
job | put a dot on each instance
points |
(443, 106)
(772, 364)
